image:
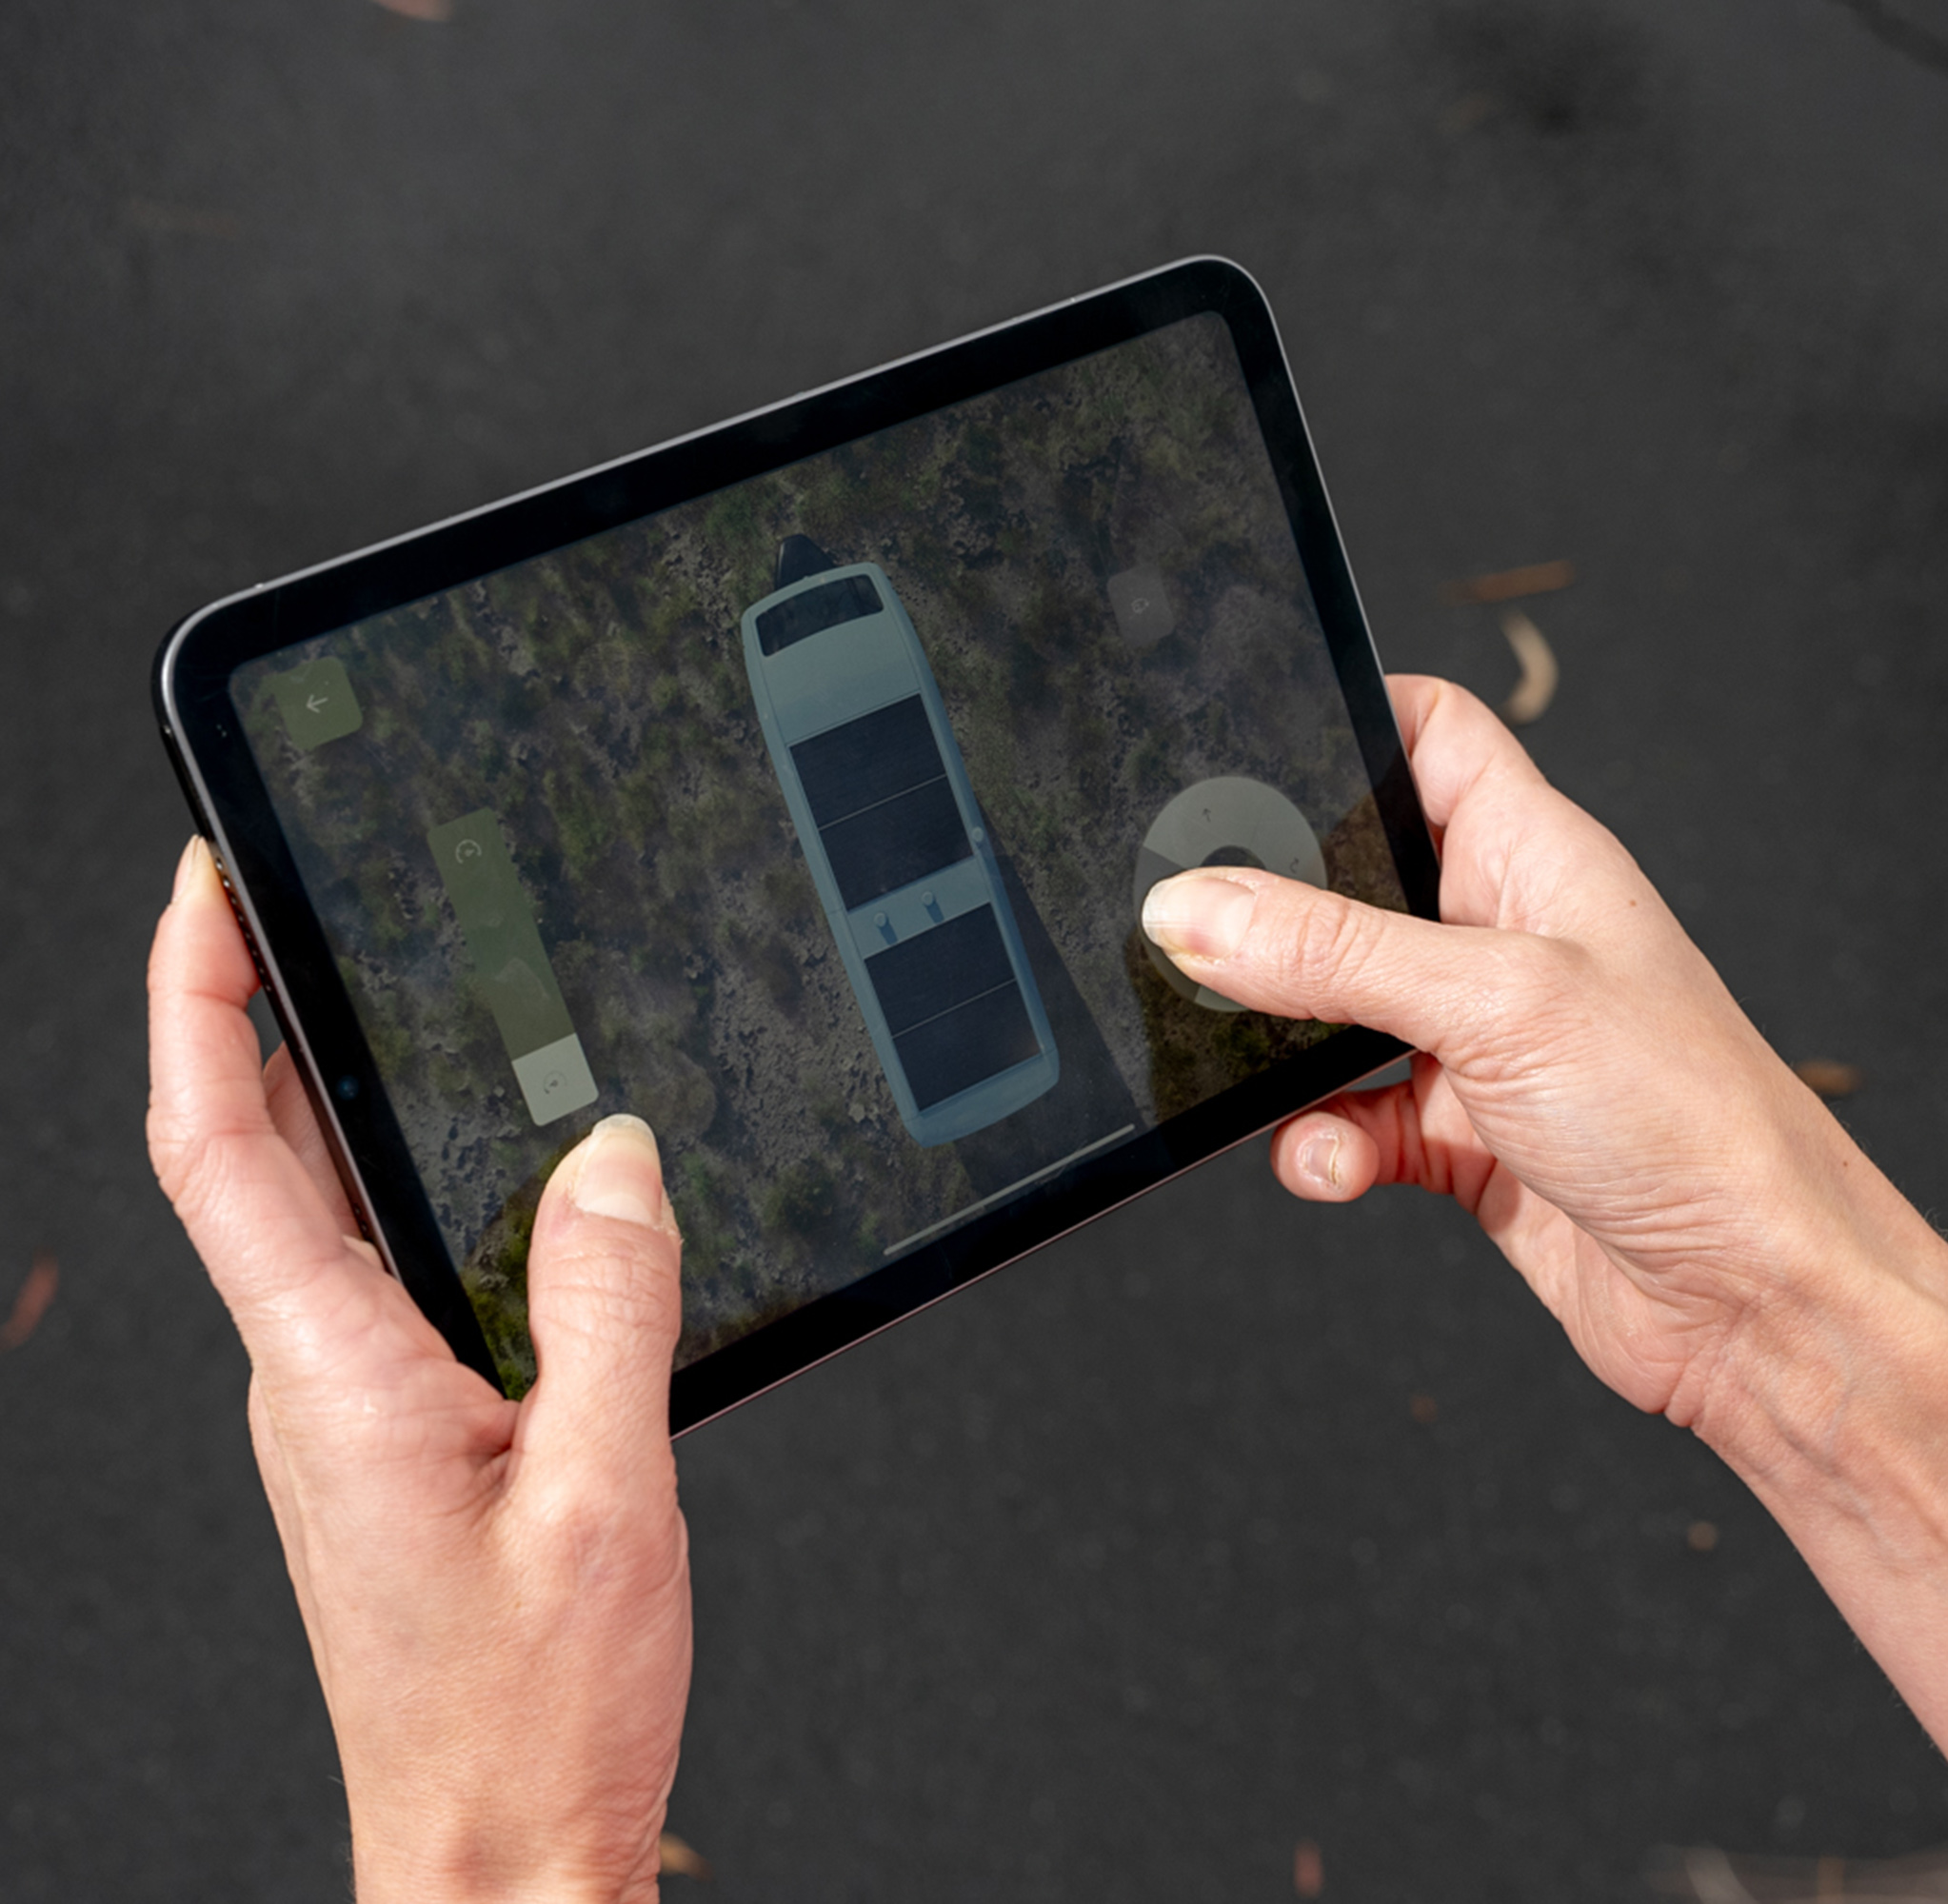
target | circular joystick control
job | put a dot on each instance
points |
(1231, 822)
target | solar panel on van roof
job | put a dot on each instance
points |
(952, 1004)
(957, 1050)
(866, 761)
(878, 789)
(943, 966)
(897, 842)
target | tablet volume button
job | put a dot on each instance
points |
(243, 923)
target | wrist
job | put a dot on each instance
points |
(420, 1863)
(412, 1881)
(1844, 1307)
(1828, 1400)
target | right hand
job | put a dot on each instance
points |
(1588, 1089)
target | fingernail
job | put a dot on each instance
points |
(1320, 1160)
(619, 1174)
(184, 867)
(1200, 914)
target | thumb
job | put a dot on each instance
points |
(605, 1305)
(1279, 946)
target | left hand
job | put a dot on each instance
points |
(497, 1593)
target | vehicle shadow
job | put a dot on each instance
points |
(1089, 1102)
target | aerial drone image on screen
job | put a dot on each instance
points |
(558, 864)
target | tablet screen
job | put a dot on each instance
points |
(810, 819)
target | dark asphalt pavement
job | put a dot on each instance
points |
(1124, 1574)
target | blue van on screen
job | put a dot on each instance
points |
(876, 786)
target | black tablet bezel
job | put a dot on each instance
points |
(232, 807)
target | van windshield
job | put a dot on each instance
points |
(815, 610)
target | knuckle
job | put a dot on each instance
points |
(612, 1297)
(1330, 943)
(601, 1535)
(182, 1158)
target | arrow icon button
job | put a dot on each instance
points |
(317, 703)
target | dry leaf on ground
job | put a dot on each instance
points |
(1505, 585)
(1540, 674)
(1475, 108)
(31, 1303)
(182, 221)
(1828, 1078)
(1309, 1870)
(679, 1859)
(1710, 1875)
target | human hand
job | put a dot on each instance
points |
(1588, 1089)
(497, 1593)
(1714, 1244)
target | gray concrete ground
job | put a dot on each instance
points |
(1125, 1572)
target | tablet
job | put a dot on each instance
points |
(796, 785)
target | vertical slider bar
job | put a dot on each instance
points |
(511, 966)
